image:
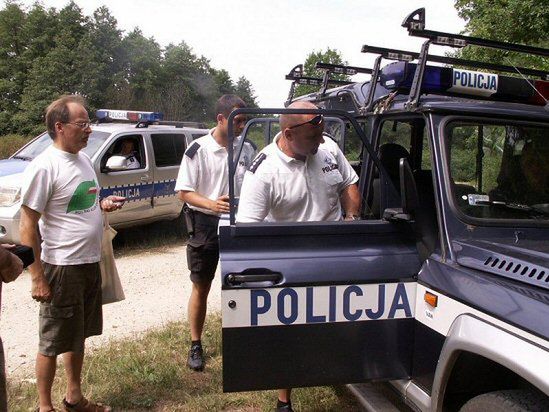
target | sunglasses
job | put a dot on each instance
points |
(315, 121)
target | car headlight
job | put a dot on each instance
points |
(9, 195)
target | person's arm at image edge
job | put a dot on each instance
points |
(10, 265)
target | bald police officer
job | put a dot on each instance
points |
(295, 179)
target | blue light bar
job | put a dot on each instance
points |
(448, 80)
(132, 116)
(400, 75)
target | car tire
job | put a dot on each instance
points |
(508, 401)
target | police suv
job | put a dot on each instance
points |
(135, 155)
(442, 288)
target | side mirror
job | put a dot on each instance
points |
(116, 163)
(408, 195)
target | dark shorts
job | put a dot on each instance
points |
(75, 311)
(203, 248)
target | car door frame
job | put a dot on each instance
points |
(316, 343)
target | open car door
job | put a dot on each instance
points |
(315, 303)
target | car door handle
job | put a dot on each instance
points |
(144, 178)
(253, 279)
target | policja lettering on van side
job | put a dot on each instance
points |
(323, 304)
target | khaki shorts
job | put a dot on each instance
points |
(75, 311)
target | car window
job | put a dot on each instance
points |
(499, 171)
(129, 146)
(168, 148)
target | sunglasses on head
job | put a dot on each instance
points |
(315, 121)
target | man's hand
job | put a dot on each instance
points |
(220, 205)
(112, 203)
(41, 290)
(10, 265)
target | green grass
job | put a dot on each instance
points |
(10, 143)
(149, 373)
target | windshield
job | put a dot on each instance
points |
(500, 171)
(44, 141)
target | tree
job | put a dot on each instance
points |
(12, 21)
(332, 56)
(45, 53)
(245, 90)
(518, 21)
(137, 85)
(223, 81)
(55, 72)
(101, 46)
(188, 86)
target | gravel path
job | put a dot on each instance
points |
(157, 288)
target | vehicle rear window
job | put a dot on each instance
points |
(168, 148)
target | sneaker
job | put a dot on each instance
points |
(196, 358)
(285, 408)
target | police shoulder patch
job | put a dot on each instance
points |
(191, 150)
(251, 143)
(257, 161)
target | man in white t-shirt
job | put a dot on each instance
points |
(203, 184)
(295, 179)
(60, 194)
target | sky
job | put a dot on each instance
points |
(262, 40)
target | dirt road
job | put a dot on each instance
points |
(157, 288)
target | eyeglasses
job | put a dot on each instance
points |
(315, 121)
(82, 125)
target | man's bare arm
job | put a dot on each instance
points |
(28, 228)
(350, 201)
(220, 205)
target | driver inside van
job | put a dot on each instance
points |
(128, 151)
(525, 179)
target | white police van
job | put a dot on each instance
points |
(145, 176)
(441, 289)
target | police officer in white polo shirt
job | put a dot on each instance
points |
(203, 184)
(296, 179)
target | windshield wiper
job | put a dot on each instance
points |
(22, 157)
(532, 211)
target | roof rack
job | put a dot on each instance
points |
(296, 75)
(338, 69)
(415, 23)
(394, 54)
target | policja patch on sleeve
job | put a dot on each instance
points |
(257, 161)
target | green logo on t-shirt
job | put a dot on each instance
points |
(83, 197)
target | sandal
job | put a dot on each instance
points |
(84, 405)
